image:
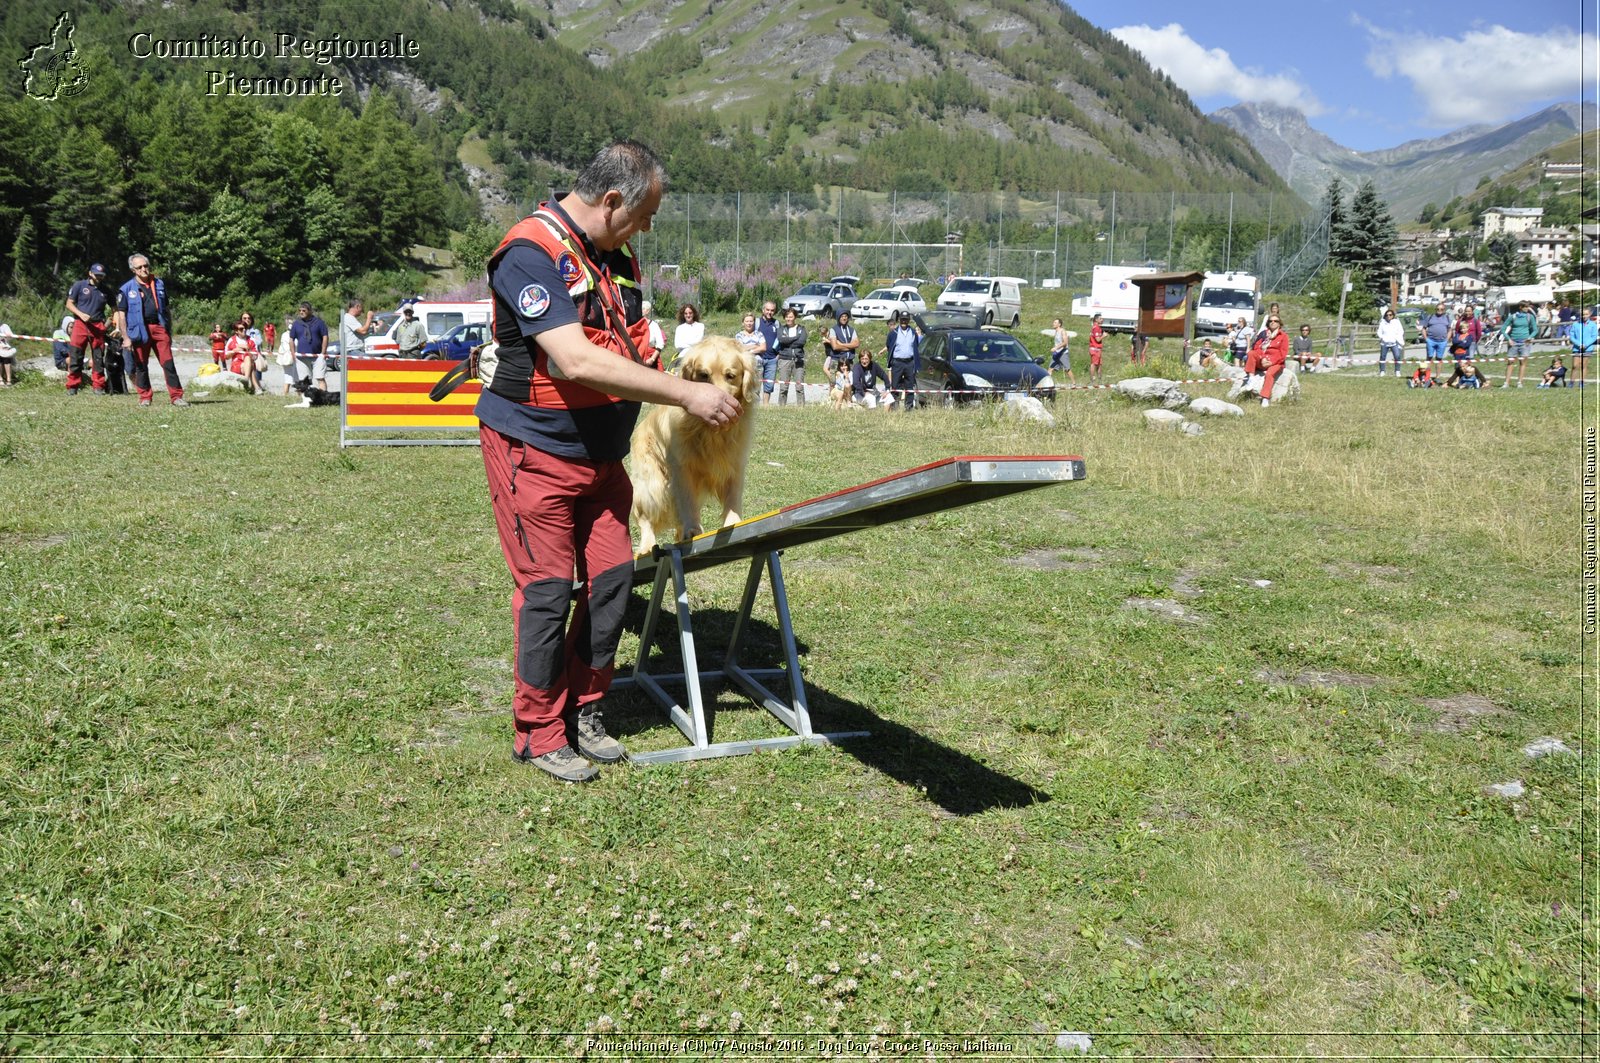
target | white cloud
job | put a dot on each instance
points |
(1206, 72)
(1487, 74)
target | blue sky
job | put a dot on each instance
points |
(1370, 75)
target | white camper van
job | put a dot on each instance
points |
(992, 300)
(1113, 296)
(1224, 299)
(437, 318)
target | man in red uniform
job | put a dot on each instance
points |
(145, 321)
(555, 421)
(1267, 355)
(86, 302)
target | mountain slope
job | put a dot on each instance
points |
(850, 85)
(1408, 176)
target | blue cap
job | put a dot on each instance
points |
(98, 268)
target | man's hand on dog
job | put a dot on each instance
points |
(712, 405)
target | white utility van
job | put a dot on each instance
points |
(1113, 296)
(993, 300)
(437, 318)
(1224, 299)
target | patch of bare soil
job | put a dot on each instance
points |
(1043, 560)
(1460, 711)
(1166, 607)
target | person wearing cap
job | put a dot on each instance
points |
(87, 302)
(309, 336)
(903, 349)
(144, 320)
(411, 335)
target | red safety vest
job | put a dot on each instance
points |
(523, 374)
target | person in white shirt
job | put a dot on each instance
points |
(1391, 341)
(658, 339)
(690, 331)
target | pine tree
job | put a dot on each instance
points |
(1341, 240)
(1372, 235)
(1505, 264)
(1574, 266)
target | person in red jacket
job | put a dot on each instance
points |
(1267, 355)
(219, 345)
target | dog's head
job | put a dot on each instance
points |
(722, 361)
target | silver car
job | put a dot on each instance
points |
(825, 299)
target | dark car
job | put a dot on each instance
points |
(966, 362)
(458, 342)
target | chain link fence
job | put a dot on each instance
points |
(1052, 236)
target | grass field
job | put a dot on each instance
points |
(256, 798)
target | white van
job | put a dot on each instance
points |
(1224, 299)
(993, 300)
(437, 318)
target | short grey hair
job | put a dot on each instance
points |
(626, 166)
(135, 257)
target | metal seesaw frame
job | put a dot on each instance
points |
(931, 488)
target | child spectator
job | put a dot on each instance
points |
(1466, 376)
(1423, 377)
(1556, 375)
(219, 345)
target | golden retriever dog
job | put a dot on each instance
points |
(679, 460)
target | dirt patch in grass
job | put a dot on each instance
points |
(1166, 607)
(1460, 711)
(35, 542)
(1057, 560)
(1313, 678)
(1183, 583)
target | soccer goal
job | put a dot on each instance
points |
(925, 261)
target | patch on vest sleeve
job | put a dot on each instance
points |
(568, 267)
(533, 301)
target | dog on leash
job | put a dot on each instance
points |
(679, 460)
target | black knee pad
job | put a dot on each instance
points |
(542, 631)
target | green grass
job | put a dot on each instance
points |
(257, 799)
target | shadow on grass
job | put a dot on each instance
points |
(951, 779)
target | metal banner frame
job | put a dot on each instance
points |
(760, 540)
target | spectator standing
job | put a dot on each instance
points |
(285, 356)
(1139, 345)
(749, 337)
(309, 335)
(1097, 348)
(1546, 319)
(555, 423)
(1436, 330)
(1582, 335)
(868, 381)
(1564, 319)
(353, 329)
(87, 302)
(1061, 351)
(219, 345)
(144, 319)
(8, 358)
(842, 343)
(903, 349)
(410, 335)
(658, 339)
(1391, 340)
(768, 328)
(791, 358)
(1521, 327)
(1302, 348)
(1239, 340)
(690, 331)
(269, 337)
(1268, 354)
(1472, 329)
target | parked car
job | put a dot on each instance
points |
(882, 304)
(967, 362)
(825, 299)
(458, 342)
